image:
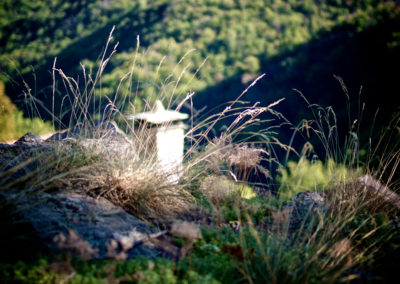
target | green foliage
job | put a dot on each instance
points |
(27, 273)
(12, 122)
(135, 270)
(236, 37)
(305, 175)
(228, 188)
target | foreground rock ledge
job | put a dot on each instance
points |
(93, 228)
(68, 220)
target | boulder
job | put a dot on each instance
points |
(380, 192)
(29, 139)
(67, 220)
(103, 139)
(107, 130)
(301, 213)
(21, 158)
(92, 228)
(306, 208)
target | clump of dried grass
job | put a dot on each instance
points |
(241, 159)
(145, 193)
(138, 186)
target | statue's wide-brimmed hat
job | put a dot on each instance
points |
(159, 115)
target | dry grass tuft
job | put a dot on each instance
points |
(139, 187)
(146, 194)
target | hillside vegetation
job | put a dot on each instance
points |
(13, 124)
(299, 44)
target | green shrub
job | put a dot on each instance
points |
(220, 187)
(12, 122)
(305, 175)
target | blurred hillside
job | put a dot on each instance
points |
(298, 44)
(13, 124)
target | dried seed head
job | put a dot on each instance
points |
(245, 157)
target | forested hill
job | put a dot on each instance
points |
(300, 44)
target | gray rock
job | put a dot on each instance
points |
(307, 199)
(93, 228)
(71, 221)
(380, 192)
(21, 158)
(29, 139)
(107, 130)
(306, 208)
(300, 215)
(103, 138)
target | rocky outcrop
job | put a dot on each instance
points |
(21, 158)
(92, 228)
(104, 139)
(307, 209)
(381, 193)
(300, 214)
(107, 130)
(29, 139)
